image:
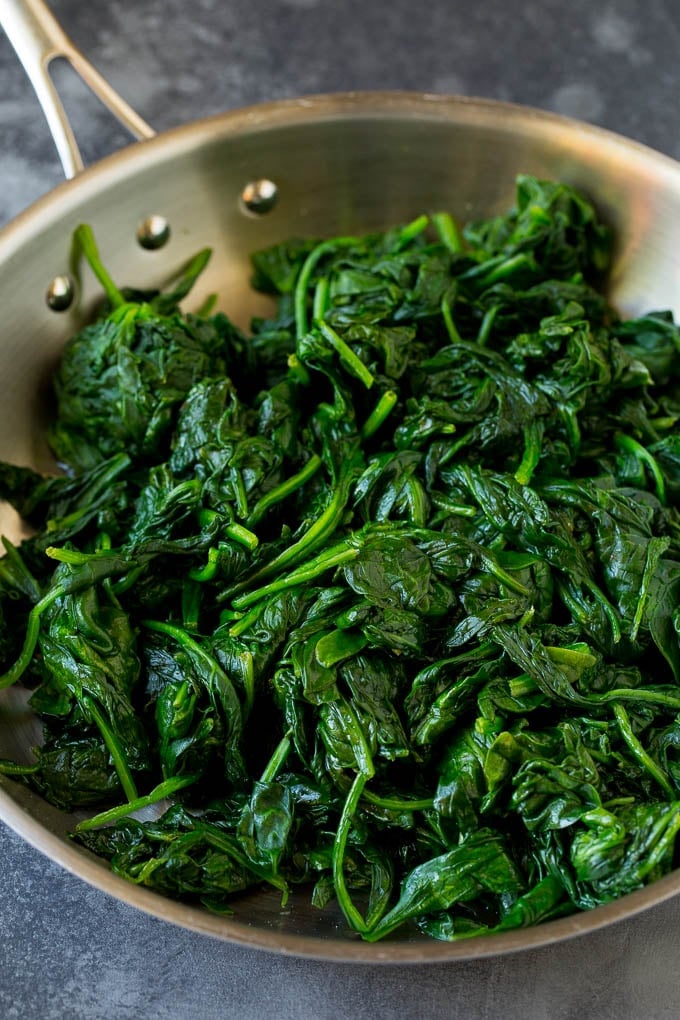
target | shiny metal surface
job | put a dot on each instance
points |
(153, 232)
(60, 293)
(341, 163)
(260, 197)
(38, 39)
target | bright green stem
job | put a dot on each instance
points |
(248, 683)
(397, 804)
(191, 605)
(571, 427)
(448, 232)
(379, 413)
(284, 490)
(12, 768)
(629, 445)
(607, 609)
(160, 792)
(661, 839)
(308, 267)
(73, 556)
(298, 370)
(503, 576)
(583, 616)
(487, 325)
(320, 305)
(181, 637)
(31, 639)
(354, 364)
(533, 433)
(119, 761)
(127, 582)
(277, 760)
(642, 694)
(209, 569)
(496, 268)
(188, 276)
(451, 329)
(323, 526)
(616, 801)
(243, 621)
(639, 753)
(453, 508)
(207, 306)
(242, 535)
(353, 916)
(84, 239)
(334, 557)
(240, 494)
(409, 232)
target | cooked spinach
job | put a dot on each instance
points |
(384, 599)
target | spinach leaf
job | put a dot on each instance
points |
(380, 600)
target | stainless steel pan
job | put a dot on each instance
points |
(340, 164)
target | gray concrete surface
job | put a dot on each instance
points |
(68, 951)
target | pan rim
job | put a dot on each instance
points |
(320, 107)
(97, 874)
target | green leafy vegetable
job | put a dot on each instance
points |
(384, 600)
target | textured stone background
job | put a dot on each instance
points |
(608, 62)
(67, 951)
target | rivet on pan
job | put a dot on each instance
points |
(60, 293)
(259, 196)
(153, 232)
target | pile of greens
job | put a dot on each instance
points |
(384, 598)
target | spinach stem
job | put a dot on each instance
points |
(160, 792)
(308, 267)
(244, 536)
(398, 803)
(487, 325)
(277, 759)
(209, 569)
(282, 491)
(321, 293)
(191, 604)
(334, 557)
(245, 621)
(492, 565)
(11, 768)
(409, 232)
(451, 329)
(443, 503)
(629, 445)
(448, 232)
(379, 413)
(318, 532)
(208, 662)
(638, 751)
(298, 370)
(533, 434)
(84, 239)
(354, 364)
(351, 913)
(118, 756)
(31, 639)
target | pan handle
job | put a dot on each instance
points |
(38, 39)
